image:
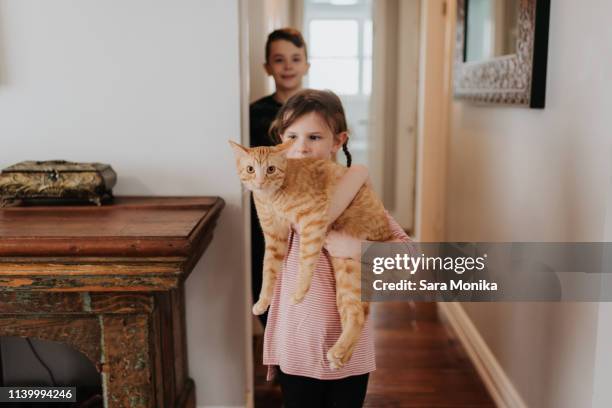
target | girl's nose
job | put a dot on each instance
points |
(302, 146)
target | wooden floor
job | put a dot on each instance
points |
(419, 364)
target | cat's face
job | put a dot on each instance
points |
(261, 169)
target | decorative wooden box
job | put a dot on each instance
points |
(109, 281)
(55, 180)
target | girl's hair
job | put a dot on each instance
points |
(288, 34)
(325, 103)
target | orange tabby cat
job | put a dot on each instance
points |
(298, 191)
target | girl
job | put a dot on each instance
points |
(297, 337)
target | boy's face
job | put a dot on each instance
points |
(287, 64)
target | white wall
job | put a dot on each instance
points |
(541, 175)
(151, 87)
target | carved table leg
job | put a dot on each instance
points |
(171, 349)
(127, 378)
(185, 386)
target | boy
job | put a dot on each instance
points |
(287, 63)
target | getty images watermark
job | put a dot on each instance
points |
(461, 271)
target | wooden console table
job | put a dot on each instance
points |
(109, 281)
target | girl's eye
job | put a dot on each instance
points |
(250, 169)
(291, 137)
(271, 169)
(315, 137)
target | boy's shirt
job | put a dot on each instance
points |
(262, 113)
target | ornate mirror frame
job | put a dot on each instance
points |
(515, 79)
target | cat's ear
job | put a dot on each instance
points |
(239, 150)
(283, 148)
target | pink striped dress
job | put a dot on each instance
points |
(297, 337)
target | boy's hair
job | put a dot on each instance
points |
(288, 34)
(325, 103)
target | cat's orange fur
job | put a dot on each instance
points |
(298, 191)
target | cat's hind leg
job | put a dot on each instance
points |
(351, 309)
(276, 249)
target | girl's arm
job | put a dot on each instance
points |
(346, 190)
(341, 245)
(399, 235)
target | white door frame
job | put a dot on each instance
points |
(243, 47)
(435, 95)
(273, 14)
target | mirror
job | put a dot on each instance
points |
(491, 29)
(501, 51)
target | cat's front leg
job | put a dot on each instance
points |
(276, 249)
(312, 238)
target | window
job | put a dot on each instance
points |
(339, 37)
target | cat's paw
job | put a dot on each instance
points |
(300, 293)
(336, 357)
(261, 306)
(297, 297)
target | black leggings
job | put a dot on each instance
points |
(299, 391)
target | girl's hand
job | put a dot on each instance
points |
(341, 245)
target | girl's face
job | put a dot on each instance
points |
(313, 138)
(287, 64)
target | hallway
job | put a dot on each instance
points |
(419, 364)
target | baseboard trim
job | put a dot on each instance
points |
(492, 374)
